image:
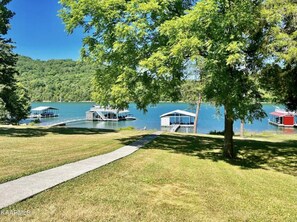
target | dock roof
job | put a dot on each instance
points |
(282, 114)
(108, 109)
(180, 112)
(43, 108)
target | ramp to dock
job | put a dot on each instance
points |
(174, 128)
(101, 115)
(63, 123)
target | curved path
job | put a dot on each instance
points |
(20, 189)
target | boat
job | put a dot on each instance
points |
(283, 118)
(44, 112)
(130, 117)
(100, 113)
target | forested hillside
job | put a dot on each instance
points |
(67, 80)
(56, 80)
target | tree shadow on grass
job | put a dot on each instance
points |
(130, 140)
(280, 156)
(38, 132)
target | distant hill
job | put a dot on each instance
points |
(63, 80)
(56, 80)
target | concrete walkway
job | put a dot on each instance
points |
(20, 189)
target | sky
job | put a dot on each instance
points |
(39, 33)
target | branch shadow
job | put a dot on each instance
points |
(280, 156)
(38, 132)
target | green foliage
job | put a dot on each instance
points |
(229, 36)
(224, 34)
(3, 111)
(6, 15)
(146, 46)
(280, 75)
(14, 101)
(127, 128)
(56, 80)
(189, 91)
(122, 35)
(192, 88)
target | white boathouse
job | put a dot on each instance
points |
(176, 119)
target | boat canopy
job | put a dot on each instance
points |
(44, 108)
(178, 113)
(279, 114)
(108, 109)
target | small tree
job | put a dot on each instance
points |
(14, 102)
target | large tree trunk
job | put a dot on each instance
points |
(197, 112)
(228, 150)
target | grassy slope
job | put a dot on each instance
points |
(179, 178)
(26, 150)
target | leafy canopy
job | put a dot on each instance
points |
(14, 102)
(145, 46)
(227, 34)
(280, 75)
(122, 35)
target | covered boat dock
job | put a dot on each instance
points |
(174, 120)
(283, 118)
(44, 112)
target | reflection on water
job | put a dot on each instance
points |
(99, 124)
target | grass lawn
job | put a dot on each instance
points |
(178, 178)
(26, 150)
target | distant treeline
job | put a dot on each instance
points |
(67, 80)
(56, 80)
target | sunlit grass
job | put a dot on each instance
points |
(179, 178)
(24, 150)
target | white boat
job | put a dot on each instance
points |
(44, 112)
(99, 113)
(130, 117)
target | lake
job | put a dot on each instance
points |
(209, 118)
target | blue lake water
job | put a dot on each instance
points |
(209, 118)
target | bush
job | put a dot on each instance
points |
(127, 128)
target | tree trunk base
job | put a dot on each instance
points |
(229, 150)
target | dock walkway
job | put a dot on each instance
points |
(63, 123)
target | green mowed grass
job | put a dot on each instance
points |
(26, 150)
(179, 178)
